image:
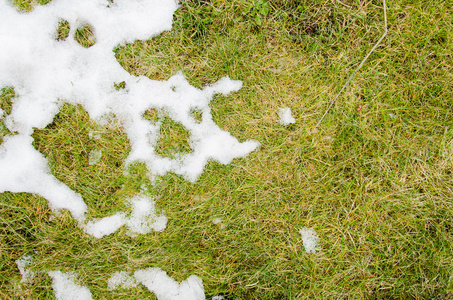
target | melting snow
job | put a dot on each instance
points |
(65, 287)
(105, 226)
(285, 116)
(94, 157)
(142, 219)
(43, 70)
(217, 221)
(166, 288)
(121, 279)
(156, 280)
(92, 135)
(22, 264)
(217, 298)
(310, 239)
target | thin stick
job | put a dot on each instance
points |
(358, 68)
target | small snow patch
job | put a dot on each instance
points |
(65, 288)
(156, 280)
(166, 288)
(94, 157)
(121, 279)
(310, 239)
(217, 298)
(219, 221)
(285, 116)
(105, 226)
(22, 264)
(143, 188)
(142, 220)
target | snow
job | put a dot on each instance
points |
(285, 116)
(23, 169)
(310, 239)
(156, 280)
(166, 288)
(105, 226)
(142, 220)
(94, 157)
(143, 217)
(45, 72)
(121, 279)
(65, 287)
(22, 265)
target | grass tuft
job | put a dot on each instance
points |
(84, 35)
(174, 139)
(197, 115)
(63, 30)
(28, 5)
(152, 115)
(6, 96)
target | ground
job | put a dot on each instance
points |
(375, 181)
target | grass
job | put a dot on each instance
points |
(174, 139)
(375, 182)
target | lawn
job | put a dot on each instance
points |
(374, 179)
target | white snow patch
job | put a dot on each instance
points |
(166, 288)
(121, 279)
(310, 239)
(65, 287)
(285, 116)
(23, 169)
(156, 280)
(94, 157)
(43, 70)
(105, 226)
(142, 220)
(22, 265)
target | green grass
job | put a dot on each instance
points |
(174, 139)
(83, 35)
(7, 95)
(375, 182)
